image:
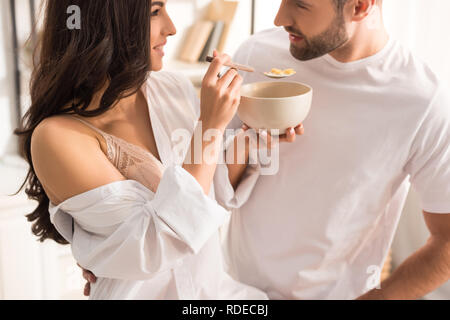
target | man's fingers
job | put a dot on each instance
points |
(89, 276)
(300, 129)
(85, 275)
(92, 278)
(87, 289)
(290, 135)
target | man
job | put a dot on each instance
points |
(322, 226)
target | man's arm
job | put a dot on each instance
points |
(425, 270)
(241, 155)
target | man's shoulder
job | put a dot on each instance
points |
(423, 85)
(416, 71)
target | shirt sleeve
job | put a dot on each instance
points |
(429, 163)
(124, 231)
(225, 193)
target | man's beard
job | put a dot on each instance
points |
(329, 40)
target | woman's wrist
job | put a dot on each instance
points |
(212, 124)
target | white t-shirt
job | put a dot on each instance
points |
(322, 226)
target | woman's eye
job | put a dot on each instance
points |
(155, 13)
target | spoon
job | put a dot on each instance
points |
(241, 67)
(233, 65)
(278, 76)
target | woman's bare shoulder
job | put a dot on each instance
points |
(61, 124)
(61, 134)
(63, 149)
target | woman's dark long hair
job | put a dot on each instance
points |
(111, 48)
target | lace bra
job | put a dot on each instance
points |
(132, 161)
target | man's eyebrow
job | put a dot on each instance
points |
(158, 3)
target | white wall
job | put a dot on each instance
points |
(265, 14)
(423, 27)
(7, 103)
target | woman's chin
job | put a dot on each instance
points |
(157, 67)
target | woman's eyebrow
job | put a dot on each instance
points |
(158, 3)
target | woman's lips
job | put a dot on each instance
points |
(160, 50)
(294, 38)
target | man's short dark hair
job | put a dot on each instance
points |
(341, 3)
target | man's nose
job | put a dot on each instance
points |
(283, 18)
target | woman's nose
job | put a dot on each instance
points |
(170, 29)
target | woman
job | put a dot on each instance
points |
(98, 140)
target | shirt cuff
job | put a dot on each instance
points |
(225, 193)
(436, 207)
(194, 223)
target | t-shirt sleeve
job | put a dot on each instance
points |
(429, 163)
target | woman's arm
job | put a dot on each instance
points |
(68, 160)
(220, 98)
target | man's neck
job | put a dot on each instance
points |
(364, 42)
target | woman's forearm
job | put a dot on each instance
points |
(201, 161)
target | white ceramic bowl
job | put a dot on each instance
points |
(274, 105)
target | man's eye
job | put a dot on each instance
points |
(302, 6)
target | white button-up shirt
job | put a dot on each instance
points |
(146, 245)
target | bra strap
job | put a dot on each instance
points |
(91, 126)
